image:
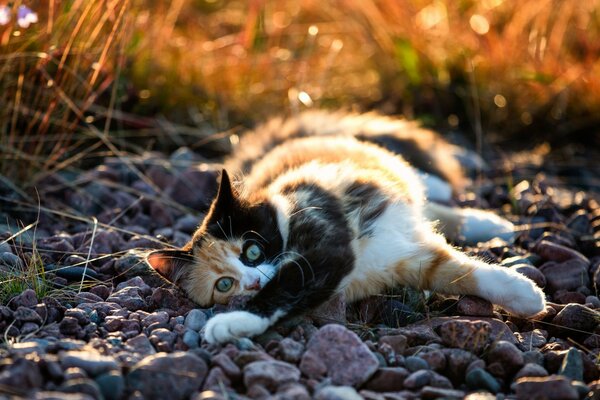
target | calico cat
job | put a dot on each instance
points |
(320, 207)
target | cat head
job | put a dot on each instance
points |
(233, 252)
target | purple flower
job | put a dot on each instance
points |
(4, 15)
(26, 17)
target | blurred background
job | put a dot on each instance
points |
(86, 79)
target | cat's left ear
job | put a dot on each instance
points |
(171, 264)
(226, 199)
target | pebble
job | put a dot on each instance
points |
(414, 363)
(154, 378)
(10, 260)
(388, 379)
(339, 354)
(396, 342)
(191, 339)
(270, 374)
(474, 306)
(507, 355)
(577, 317)
(572, 365)
(337, 393)
(417, 379)
(111, 385)
(26, 299)
(556, 252)
(550, 388)
(90, 361)
(478, 378)
(532, 273)
(531, 369)
(81, 386)
(290, 350)
(566, 275)
(464, 334)
(195, 320)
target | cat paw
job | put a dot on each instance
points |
(525, 299)
(233, 325)
(481, 226)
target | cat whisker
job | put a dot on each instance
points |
(222, 230)
(305, 209)
(256, 233)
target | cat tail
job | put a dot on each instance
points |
(446, 270)
(469, 225)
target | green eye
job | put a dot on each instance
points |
(224, 284)
(253, 252)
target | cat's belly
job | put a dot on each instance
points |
(383, 257)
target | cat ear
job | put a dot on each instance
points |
(171, 264)
(226, 198)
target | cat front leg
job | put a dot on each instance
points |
(301, 284)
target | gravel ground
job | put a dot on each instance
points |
(126, 334)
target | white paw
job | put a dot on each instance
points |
(481, 226)
(234, 325)
(512, 291)
(436, 188)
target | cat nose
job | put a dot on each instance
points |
(253, 286)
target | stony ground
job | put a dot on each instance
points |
(125, 334)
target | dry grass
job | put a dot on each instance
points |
(488, 65)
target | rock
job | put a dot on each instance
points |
(270, 374)
(136, 282)
(478, 378)
(457, 362)
(129, 298)
(69, 326)
(163, 339)
(290, 350)
(227, 365)
(194, 188)
(332, 311)
(81, 386)
(157, 317)
(141, 345)
(531, 369)
(532, 273)
(294, 391)
(566, 275)
(22, 374)
(90, 361)
(429, 392)
(499, 330)
(556, 252)
(572, 365)
(338, 353)
(414, 363)
(474, 306)
(507, 354)
(111, 385)
(419, 333)
(191, 339)
(396, 342)
(158, 376)
(566, 297)
(417, 379)
(577, 317)
(463, 334)
(387, 379)
(195, 320)
(550, 388)
(435, 358)
(337, 393)
(23, 314)
(531, 339)
(216, 379)
(171, 299)
(26, 299)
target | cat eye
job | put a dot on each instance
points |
(224, 284)
(252, 253)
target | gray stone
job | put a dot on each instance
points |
(111, 384)
(414, 363)
(478, 378)
(90, 361)
(417, 379)
(337, 393)
(191, 339)
(550, 388)
(572, 365)
(195, 320)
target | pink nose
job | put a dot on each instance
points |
(254, 286)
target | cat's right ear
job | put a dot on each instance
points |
(171, 264)
(226, 198)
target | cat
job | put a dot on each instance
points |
(319, 207)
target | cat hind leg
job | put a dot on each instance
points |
(444, 269)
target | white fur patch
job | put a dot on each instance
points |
(436, 189)
(263, 272)
(481, 226)
(512, 291)
(282, 207)
(233, 325)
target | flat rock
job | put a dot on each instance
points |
(578, 317)
(173, 376)
(270, 374)
(556, 252)
(550, 388)
(339, 354)
(566, 275)
(90, 361)
(465, 334)
(474, 306)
